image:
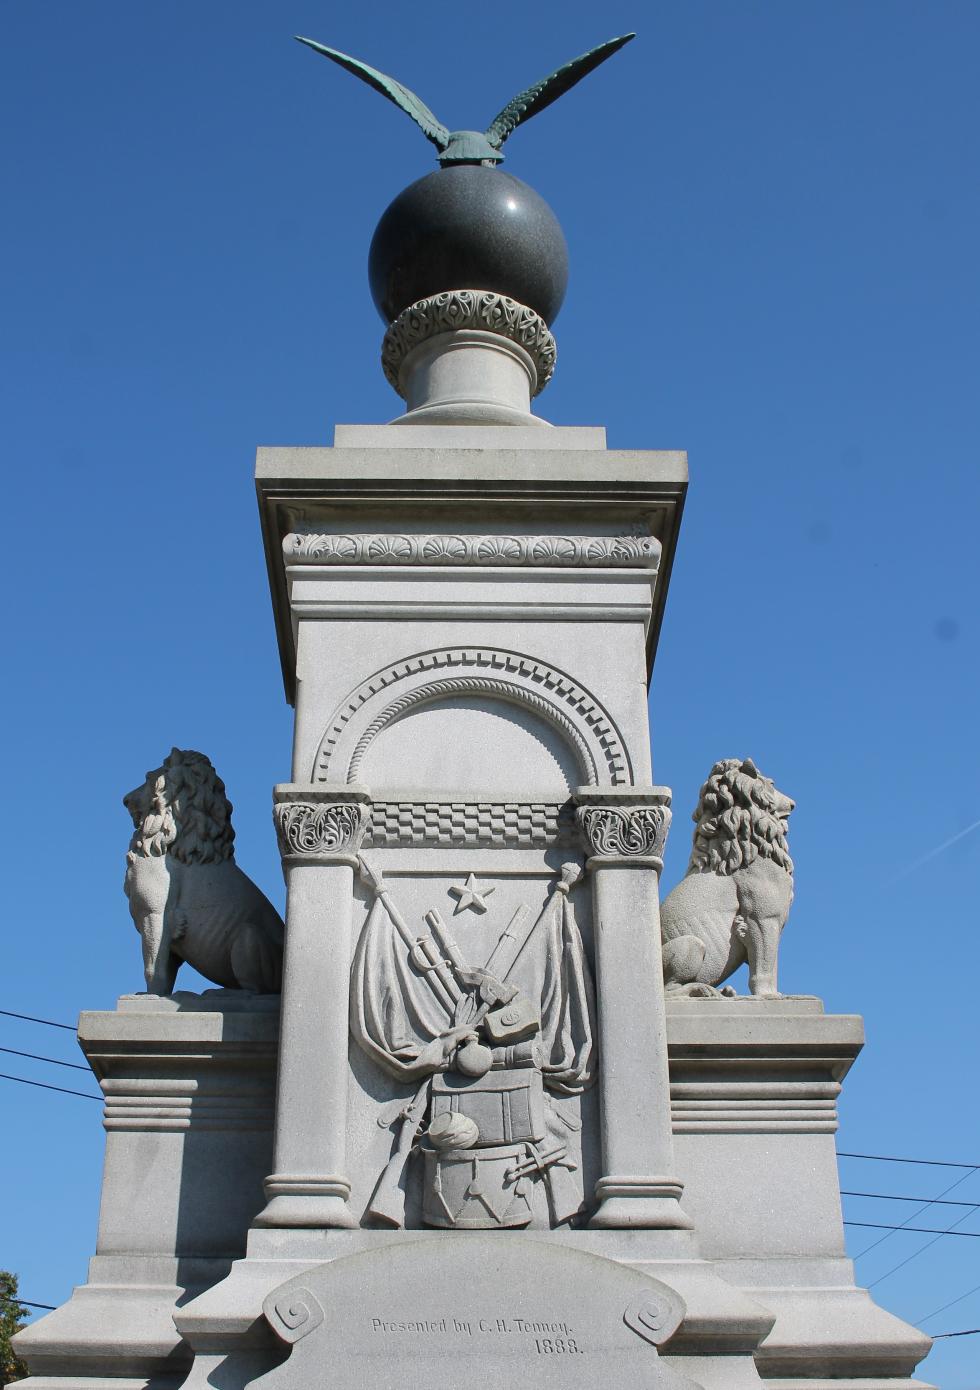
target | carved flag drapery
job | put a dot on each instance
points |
(398, 1019)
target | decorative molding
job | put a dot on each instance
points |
(480, 309)
(623, 832)
(475, 685)
(553, 552)
(633, 1185)
(745, 1076)
(471, 824)
(501, 673)
(752, 1107)
(180, 1100)
(306, 1185)
(318, 829)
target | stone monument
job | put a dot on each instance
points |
(505, 1123)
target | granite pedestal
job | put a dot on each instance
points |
(467, 620)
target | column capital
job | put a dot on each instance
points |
(320, 824)
(624, 826)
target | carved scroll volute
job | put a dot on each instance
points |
(630, 828)
(320, 824)
(657, 1315)
(293, 1313)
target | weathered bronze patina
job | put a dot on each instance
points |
(473, 146)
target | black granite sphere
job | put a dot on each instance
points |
(468, 227)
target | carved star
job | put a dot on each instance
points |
(473, 895)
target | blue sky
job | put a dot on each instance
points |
(773, 216)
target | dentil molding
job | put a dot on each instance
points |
(492, 671)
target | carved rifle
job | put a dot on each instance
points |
(388, 1202)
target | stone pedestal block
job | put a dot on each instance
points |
(754, 1086)
(189, 1092)
(475, 1032)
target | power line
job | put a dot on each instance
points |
(958, 1299)
(950, 1230)
(86, 1095)
(36, 1057)
(922, 1230)
(889, 1196)
(27, 1303)
(912, 1215)
(891, 1158)
(29, 1018)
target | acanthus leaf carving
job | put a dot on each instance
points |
(625, 832)
(310, 829)
(458, 309)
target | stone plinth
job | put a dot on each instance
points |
(189, 1097)
(753, 1090)
(754, 1086)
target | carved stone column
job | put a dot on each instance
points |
(320, 831)
(624, 834)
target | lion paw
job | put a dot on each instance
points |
(691, 991)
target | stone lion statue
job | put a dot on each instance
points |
(733, 902)
(189, 899)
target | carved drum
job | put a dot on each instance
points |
(477, 1189)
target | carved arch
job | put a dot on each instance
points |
(431, 676)
(476, 685)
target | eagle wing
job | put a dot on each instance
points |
(549, 89)
(431, 127)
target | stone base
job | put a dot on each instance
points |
(769, 1295)
(189, 1083)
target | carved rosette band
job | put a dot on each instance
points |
(458, 309)
(312, 830)
(625, 832)
(553, 552)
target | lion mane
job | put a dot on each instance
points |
(732, 904)
(188, 898)
(182, 810)
(737, 821)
